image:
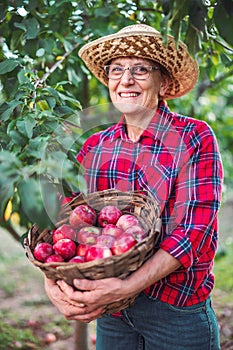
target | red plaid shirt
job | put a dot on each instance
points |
(177, 159)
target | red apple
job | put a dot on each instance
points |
(105, 241)
(95, 252)
(50, 338)
(108, 215)
(82, 249)
(86, 237)
(64, 231)
(42, 251)
(65, 247)
(126, 221)
(66, 200)
(54, 258)
(88, 234)
(112, 230)
(82, 215)
(138, 232)
(77, 259)
(124, 243)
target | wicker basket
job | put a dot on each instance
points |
(143, 206)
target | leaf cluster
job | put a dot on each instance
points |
(44, 86)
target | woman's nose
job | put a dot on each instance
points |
(127, 77)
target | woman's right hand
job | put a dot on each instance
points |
(70, 309)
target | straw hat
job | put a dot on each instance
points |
(143, 41)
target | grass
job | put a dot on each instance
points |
(13, 336)
(223, 270)
(16, 332)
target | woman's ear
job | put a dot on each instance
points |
(163, 86)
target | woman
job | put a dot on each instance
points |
(177, 159)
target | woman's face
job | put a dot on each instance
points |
(131, 96)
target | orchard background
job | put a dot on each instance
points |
(49, 102)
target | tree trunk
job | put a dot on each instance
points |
(80, 336)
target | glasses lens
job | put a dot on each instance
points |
(140, 72)
(114, 71)
(137, 72)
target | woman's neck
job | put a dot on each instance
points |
(136, 124)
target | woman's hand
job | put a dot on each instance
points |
(89, 299)
(66, 300)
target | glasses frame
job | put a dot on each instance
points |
(150, 69)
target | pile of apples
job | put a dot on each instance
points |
(89, 236)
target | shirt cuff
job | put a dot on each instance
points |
(180, 248)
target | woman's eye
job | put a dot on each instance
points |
(116, 69)
(140, 69)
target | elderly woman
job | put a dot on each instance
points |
(177, 159)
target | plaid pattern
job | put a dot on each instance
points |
(177, 159)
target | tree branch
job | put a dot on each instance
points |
(207, 84)
(55, 66)
(11, 230)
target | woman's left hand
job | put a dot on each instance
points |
(92, 295)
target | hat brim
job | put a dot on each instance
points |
(182, 68)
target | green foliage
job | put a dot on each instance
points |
(44, 85)
(223, 275)
(10, 336)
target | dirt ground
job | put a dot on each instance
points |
(29, 302)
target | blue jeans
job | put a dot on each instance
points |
(153, 325)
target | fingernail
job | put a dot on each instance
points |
(77, 282)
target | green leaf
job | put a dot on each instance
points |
(26, 125)
(197, 14)
(73, 101)
(17, 138)
(7, 109)
(166, 6)
(192, 40)
(8, 65)
(30, 26)
(37, 147)
(24, 76)
(224, 22)
(98, 12)
(6, 192)
(39, 201)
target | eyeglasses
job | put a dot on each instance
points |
(140, 72)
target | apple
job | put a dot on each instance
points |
(42, 251)
(82, 249)
(108, 215)
(138, 232)
(127, 220)
(93, 229)
(95, 252)
(82, 215)
(105, 241)
(124, 243)
(84, 237)
(112, 230)
(65, 247)
(66, 200)
(50, 338)
(64, 231)
(54, 258)
(77, 259)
